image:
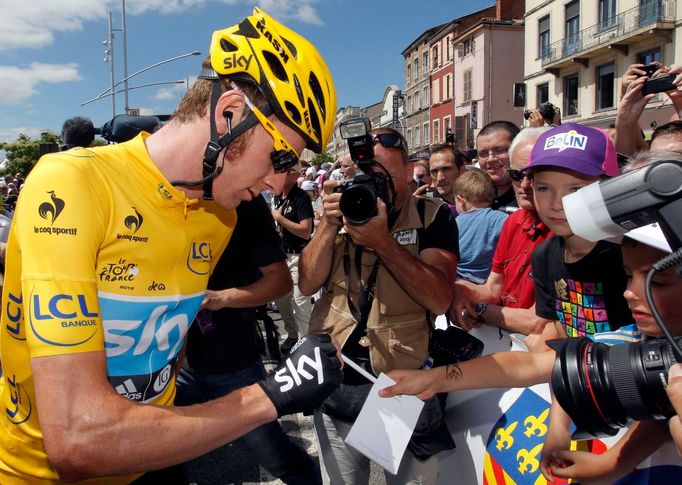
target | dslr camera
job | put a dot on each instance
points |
(358, 202)
(547, 111)
(603, 388)
(657, 84)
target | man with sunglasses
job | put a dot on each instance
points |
(294, 216)
(492, 144)
(381, 280)
(507, 298)
(108, 263)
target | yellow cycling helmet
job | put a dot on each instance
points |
(286, 68)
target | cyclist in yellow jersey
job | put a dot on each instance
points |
(108, 260)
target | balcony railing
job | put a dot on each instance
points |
(604, 32)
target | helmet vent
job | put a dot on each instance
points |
(317, 92)
(299, 91)
(227, 46)
(315, 121)
(291, 47)
(293, 111)
(276, 66)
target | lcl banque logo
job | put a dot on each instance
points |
(51, 210)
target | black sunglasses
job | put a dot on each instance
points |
(391, 140)
(515, 174)
(283, 160)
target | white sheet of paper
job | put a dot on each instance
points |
(384, 426)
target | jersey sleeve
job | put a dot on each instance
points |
(58, 228)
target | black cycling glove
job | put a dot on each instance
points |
(308, 375)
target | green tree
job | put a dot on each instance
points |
(321, 158)
(23, 154)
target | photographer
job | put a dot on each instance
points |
(628, 138)
(544, 115)
(406, 257)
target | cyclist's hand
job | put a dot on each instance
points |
(309, 374)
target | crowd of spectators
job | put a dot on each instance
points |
(484, 240)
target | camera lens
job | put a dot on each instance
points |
(358, 203)
(603, 388)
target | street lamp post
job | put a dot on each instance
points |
(113, 93)
(110, 90)
(125, 54)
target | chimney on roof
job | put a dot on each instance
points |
(504, 9)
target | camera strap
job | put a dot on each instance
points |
(365, 291)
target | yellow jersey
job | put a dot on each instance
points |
(103, 254)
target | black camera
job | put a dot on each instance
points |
(358, 202)
(603, 388)
(547, 111)
(659, 84)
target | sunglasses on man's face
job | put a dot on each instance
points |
(516, 175)
(390, 140)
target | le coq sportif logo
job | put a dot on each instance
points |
(51, 209)
(133, 221)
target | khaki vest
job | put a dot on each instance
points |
(397, 326)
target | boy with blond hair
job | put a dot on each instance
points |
(479, 225)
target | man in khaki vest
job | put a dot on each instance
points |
(381, 281)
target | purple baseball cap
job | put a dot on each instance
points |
(583, 149)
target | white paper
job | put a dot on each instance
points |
(385, 425)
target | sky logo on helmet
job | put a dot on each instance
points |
(562, 141)
(235, 61)
(260, 25)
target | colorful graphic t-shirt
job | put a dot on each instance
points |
(104, 254)
(585, 296)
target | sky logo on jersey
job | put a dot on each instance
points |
(68, 312)
(50, 211)
(19, 407)
(14, 316)
(199, 257)
(144, 334)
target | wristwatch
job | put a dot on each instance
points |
(480, 309)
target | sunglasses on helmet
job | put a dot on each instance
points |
(283, 157)
(390, 140)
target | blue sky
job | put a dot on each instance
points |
(51, 52)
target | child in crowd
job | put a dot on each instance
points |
(640, 250)
(579, 284)
(479, 226)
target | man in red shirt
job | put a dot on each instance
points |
(507, 298)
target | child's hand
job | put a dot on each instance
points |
(583, 466)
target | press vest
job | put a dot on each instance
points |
(397, 326)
